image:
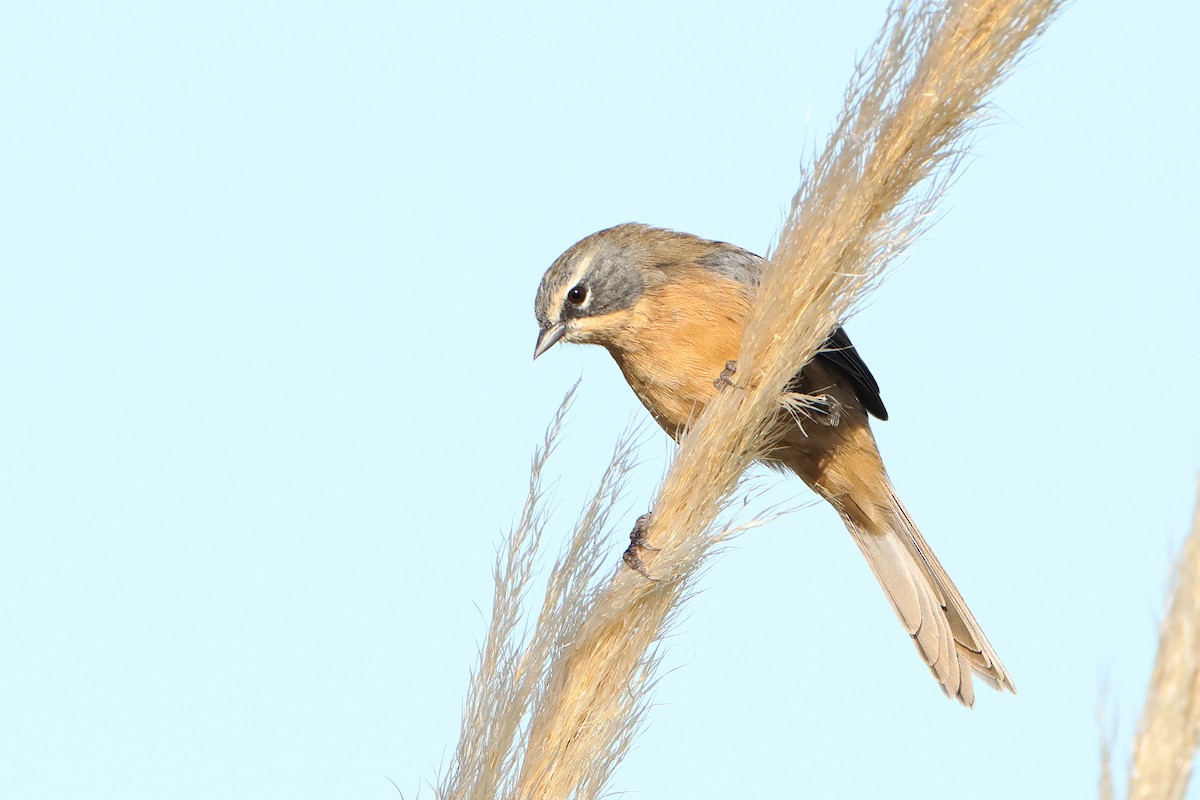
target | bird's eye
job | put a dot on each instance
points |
(577, 295)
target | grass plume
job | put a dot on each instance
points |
(579, 686)
(511, 676)
(1169, 731)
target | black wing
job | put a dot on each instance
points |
(839, 352)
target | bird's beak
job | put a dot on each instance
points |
(547, 338)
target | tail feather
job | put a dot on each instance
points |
(929, 605)
(840, 461)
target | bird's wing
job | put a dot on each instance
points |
(734, 263)
(839, 353)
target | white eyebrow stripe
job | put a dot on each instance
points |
(585, 262)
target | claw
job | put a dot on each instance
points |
(726, 376)
(637, 543)
(827, 411)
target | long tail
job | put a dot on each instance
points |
(927, 602)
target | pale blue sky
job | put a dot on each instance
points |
(266, 285)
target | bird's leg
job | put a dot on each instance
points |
(826, 410)
(637, 543)
(823, 409)
(726, 376)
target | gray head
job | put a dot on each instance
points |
(607, 273)
(600, 274)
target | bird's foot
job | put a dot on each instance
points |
(823, 409)
(826, 410)
(637, 544)
(726, 376)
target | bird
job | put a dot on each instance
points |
(670, 307)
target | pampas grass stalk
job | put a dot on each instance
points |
(513, 662)
(1169, 730)
(580, 685)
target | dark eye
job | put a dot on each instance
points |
(577, 295)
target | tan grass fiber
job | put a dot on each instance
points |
(1169, 731)
(551, 717)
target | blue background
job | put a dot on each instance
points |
(266, 284)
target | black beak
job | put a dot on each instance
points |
(547, 338)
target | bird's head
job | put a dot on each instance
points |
(590, 288)
(590, 292)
